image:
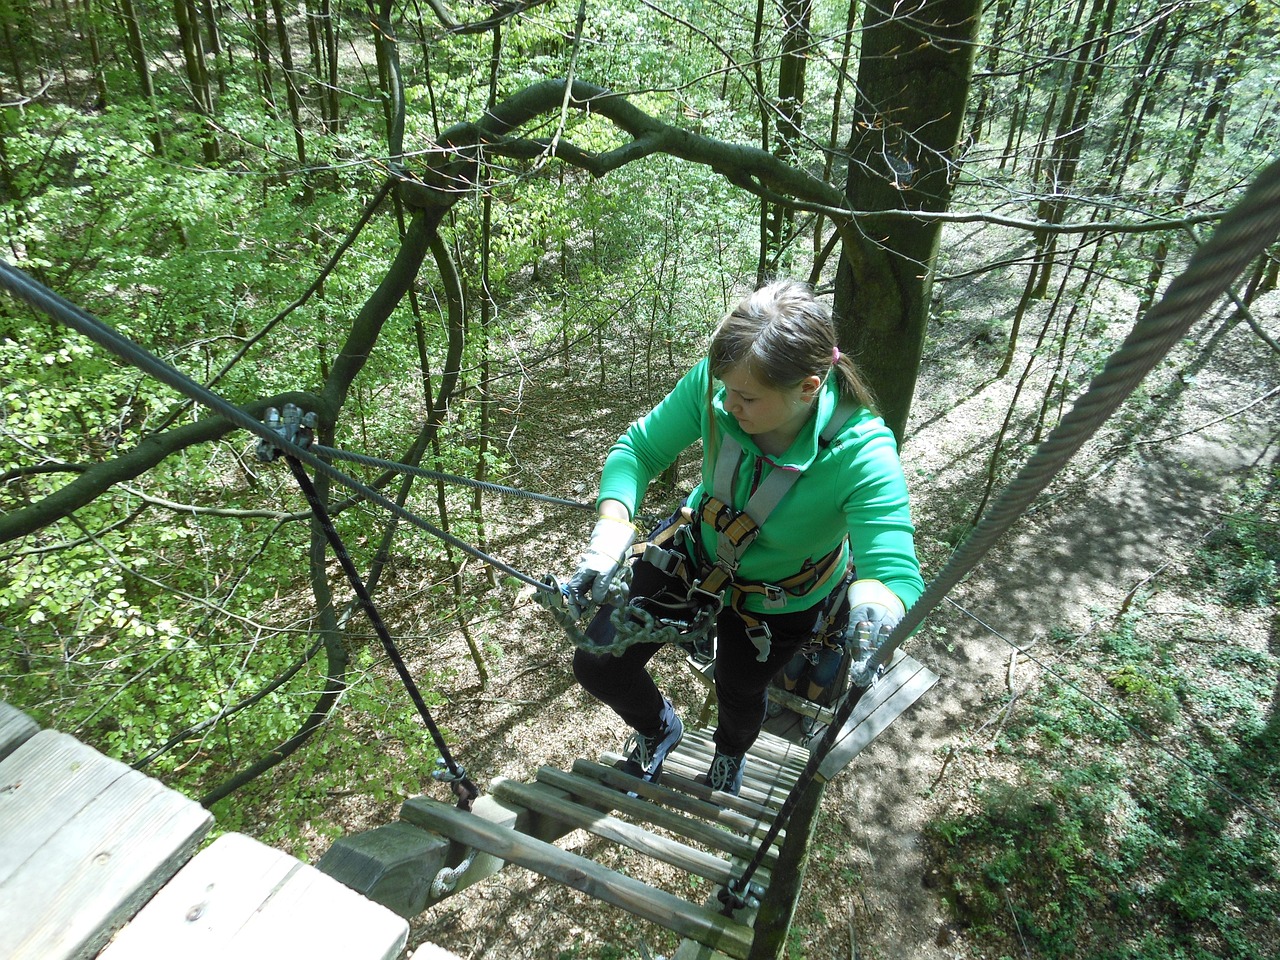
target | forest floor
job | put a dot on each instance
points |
(1127, 514)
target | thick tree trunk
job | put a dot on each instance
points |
(914, 74)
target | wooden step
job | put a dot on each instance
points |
(615, 779)
(684, 767)
(690, 828)
(759, 770)
(680, 776)
(539, 798)
(905, 682)
(649, 903)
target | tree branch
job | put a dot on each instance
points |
(452, 164)
(150, 451)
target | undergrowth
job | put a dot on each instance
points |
(1139, 821)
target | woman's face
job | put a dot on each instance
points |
(760, 409)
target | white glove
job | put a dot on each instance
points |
(874, 610)
(610, 541)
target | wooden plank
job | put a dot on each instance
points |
(539, 797)
(239, 897)
(44, 784)
(615, 779)
(688, 920)
(798, 704)
(682, 770)
(16, 728)
(768, 747)
(903, 684)
(84, 842)
(691, 829)
(680, 776)
(760, 770)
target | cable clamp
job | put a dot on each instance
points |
(736, 896)
(444, 774)
(293, 425)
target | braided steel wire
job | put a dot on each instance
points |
(1245, 232)
(334, 453)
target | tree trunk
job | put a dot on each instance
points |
(291, 92)
(834, 139)
(262, 52)
(330, 33)
(138, 55)
(90, 28)
(796, 15)
(914, 74)
(184, 13)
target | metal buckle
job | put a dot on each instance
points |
(774, 596)
(762, 639)
(667, 561)
(712, 600)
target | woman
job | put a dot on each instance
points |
(774, 396)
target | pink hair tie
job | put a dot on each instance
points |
(835, 355)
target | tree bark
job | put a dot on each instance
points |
(913, 76)
(138, 55)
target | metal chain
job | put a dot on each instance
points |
(632, 624)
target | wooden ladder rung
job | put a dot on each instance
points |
(539, 798)
(752, 803)
(683, 767)
(699, 831)
(615, 779)
(649, 903)
(760, 770)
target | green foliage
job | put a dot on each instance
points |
(1241, 555)
(1101, 843)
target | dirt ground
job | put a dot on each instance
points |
(1116, 519)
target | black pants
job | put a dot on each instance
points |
(624, 684)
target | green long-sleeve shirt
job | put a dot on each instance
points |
(855, 486)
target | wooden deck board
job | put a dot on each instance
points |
(16, 728)
(84, 841)
(239, 897)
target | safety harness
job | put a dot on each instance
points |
(713, 582)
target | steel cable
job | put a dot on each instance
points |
(40, 297)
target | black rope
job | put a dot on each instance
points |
(46, 301)
(461, 785)
(335, 453)
(1245, 232)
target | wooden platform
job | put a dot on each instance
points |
(706, 837)
(96, 859)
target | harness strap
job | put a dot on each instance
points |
(714, 582)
